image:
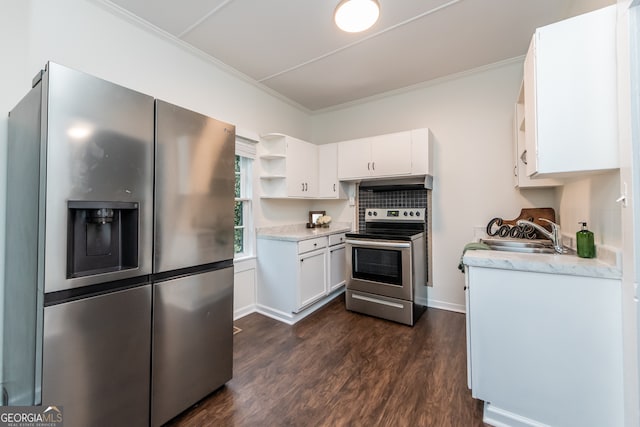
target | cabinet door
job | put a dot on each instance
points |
(336, 275)
(521, 179)
(354, 159)
(529, 155)
(312, 278)
(302, 168)
(518, 117)
(328, 186)
(421, 156)
(391, 154)
(571, 70)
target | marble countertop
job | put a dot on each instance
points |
(298, 232)
(568, 264)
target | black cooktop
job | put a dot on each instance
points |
(403, 224)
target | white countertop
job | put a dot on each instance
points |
(298, 232)
(542, 263)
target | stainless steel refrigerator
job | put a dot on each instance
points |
(118, 292)
(193, 259)
(77, 322)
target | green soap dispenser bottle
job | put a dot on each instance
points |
(584, 242)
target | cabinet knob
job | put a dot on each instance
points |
(303, 186)
(334, 188)
(368, 166)
(373, 165)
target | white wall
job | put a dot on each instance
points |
(244, 288)
(470, 116)
(592, 199)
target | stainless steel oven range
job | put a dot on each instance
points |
(386, 263)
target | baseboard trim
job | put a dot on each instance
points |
(275, 314)
(244, 311)
(458, 308)
(292, 318)
(500, 418)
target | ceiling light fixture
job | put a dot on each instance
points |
(354, 16)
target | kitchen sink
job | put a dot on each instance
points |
(536, 246)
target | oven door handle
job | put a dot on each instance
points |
(378, 244)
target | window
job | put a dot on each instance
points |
(243, 218)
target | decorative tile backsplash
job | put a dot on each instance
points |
(414, 198)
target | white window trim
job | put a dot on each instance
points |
(246, 147)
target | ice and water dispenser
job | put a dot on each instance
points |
(101, 237)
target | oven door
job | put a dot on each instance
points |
(380, 267)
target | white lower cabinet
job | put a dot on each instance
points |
(312, 283)
(545, 349)
(336, 273)
(294, 275)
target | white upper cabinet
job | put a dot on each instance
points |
(570, 96)
(520, 158)
(328, 185)
(354, 158)
(397, 154)
(289, 167)
(391, 154)
(292, 168)
(302, 168)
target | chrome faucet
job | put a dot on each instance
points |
(554, 235)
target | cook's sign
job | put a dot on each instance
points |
(496, 227)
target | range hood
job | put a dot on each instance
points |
(404, 183)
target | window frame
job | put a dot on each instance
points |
(246, 175)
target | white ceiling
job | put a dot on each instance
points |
(294, 48)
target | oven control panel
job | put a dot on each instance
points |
(394, 214)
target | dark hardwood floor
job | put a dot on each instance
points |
(338, 368)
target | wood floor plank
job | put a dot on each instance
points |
(338, 368)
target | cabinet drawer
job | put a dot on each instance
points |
(336, 239)
(312, 244)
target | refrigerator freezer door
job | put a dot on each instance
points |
(194, 189)
(96, 358)
(192, 340)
